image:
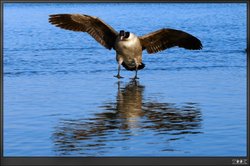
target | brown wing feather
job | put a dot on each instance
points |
(166, 38)
(100, 31)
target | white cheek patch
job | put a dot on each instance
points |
(131, 36)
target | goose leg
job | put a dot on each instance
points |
(136, 74)
(136, 69)
(119, 69)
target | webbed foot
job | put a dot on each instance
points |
(135, 78)
(118, 76)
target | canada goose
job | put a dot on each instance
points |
(127, 45)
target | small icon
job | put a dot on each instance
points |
(239, 161)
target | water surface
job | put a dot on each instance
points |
(61, 99)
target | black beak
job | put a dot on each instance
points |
(122, 34)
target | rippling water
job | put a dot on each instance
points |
(126, 123)
(61, 99)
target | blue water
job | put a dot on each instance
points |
(61, 99)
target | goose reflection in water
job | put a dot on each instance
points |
(126, 119)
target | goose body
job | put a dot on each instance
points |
(127, 45)
(129, 52)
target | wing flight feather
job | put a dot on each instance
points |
(99, 30)
(167, 38)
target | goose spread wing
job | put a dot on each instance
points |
(166, 38)
(100, 31)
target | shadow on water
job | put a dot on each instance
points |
(130, 113)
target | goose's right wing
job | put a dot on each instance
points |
(167, 38)
(100, 31)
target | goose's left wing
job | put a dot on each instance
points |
(167, 38)
(98, 29)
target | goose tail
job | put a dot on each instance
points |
(141, 66)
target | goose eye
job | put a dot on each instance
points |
(127, 34)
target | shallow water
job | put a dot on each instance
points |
(61, 99)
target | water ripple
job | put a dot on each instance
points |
(128, 117)
(65, 72)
